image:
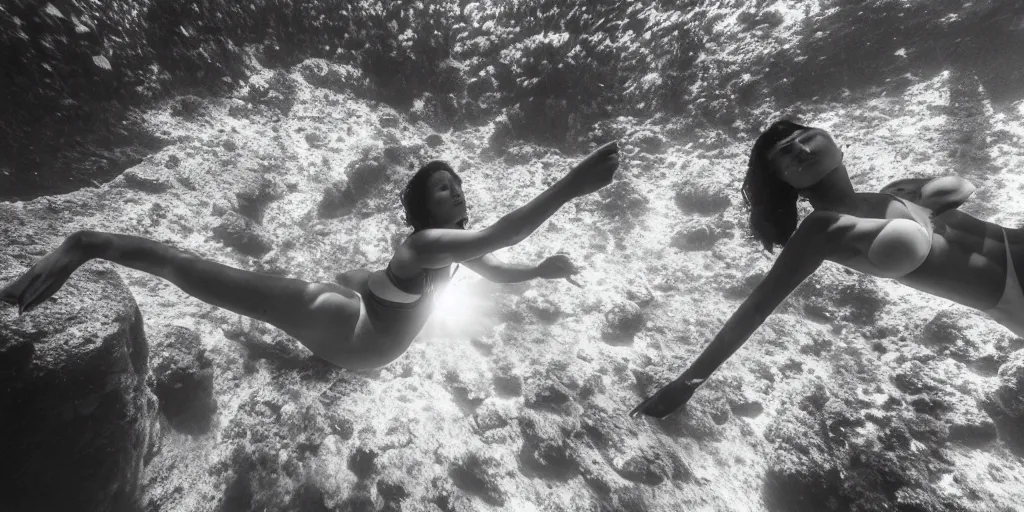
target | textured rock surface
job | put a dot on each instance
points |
(184, 380)
(242, 234)
(553, 72)
(77, 412)
(856, 394)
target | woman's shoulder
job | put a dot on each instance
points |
(881, 206)
(402, 262)
(938, 195)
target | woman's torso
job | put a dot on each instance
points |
(397, 315)
(966, 260)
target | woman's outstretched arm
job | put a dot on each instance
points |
(435, 248)
(937, 194)
(803, 254)
(490, 267)
(493, 269)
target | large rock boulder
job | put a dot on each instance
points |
(1005, 404)
(184, 381)
(242, 234)
(75, 406)
(364, 177)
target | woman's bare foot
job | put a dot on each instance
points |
(46, 277)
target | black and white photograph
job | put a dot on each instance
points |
(511, 255)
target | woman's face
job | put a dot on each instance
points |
(805, 157)
(446, 202)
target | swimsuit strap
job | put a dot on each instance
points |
(898, 198)
(1011, 272)
(410, 285)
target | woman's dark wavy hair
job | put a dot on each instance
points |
(414, 196)
(772, 202)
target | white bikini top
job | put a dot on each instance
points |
(900, 247)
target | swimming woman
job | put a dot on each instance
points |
(911, 232)
(369, 319)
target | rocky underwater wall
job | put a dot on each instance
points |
(77, 71)
(275, 135)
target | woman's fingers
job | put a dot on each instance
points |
(668, 399)
(28, 290)
(638, 410)
(566, 263)
(28, 307)
(601, 153)
(609, 148)
(13, 289)
(652, 407)
(45, 294)
(7, 295)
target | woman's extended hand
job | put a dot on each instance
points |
(595, 171)
(558, 266)
(668, 399)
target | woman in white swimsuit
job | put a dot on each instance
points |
(370, 318)
(911, 232)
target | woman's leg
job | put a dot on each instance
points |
(1010, 310)
(357, 280)
(322, 316)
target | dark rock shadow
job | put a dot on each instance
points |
(345, 383)
(1009, 429)
(291, 360)
(309, 498)
(280, 351)
(878, 46)
(238, 494)
(994, 51)
(469, 481)
(794, 492)
(464, 399)
(15, 361)
(556, 467)
(363, 463)
(54, 159)
(968, 127)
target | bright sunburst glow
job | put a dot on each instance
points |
(453, 305)
(461, 311)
